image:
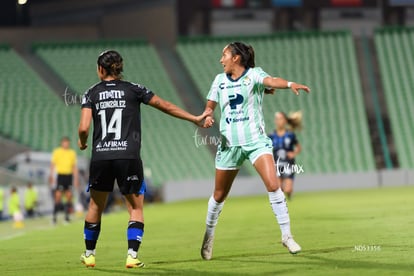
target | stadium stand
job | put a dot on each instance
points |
(335, 136)
(31, 113)
(168, 144)
(395, 53)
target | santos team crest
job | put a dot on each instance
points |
(246, 81)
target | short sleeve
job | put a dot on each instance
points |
(294, 139)
(214, 90)
(259, 75)
(86, 100)
(144, 94)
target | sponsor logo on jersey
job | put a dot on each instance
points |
(132, 177)
(113, 145)
(111, 94)
(236, 120)
(222, 85)
(287, 141)
(235, 100)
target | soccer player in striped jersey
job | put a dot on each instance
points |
(239, 93)
(113, 107)
(286, 147)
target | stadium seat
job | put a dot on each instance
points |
(395, 54)
(24, 98)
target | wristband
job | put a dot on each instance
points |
(289, 84)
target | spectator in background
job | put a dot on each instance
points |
(64, 164)
(14, 208)
(1, 203)
(30, 200)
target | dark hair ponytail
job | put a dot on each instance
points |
(111, 61)
(246, 53)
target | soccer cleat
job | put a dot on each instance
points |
(88, 261)
(291, 245)
(134, 262)
(207, 247)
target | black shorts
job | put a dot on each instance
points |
(64, 182)
(128, 174)
(285, 172)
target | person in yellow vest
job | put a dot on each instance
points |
(1, 203)
(30, 200)
(14, 208)
(63, 165)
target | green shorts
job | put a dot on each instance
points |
(232, 157)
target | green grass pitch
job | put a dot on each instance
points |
(365, 232)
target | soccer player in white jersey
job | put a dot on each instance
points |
(239, 92)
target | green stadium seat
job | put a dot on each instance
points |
(23, 97)
(395, 54)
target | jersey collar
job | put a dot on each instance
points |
(242, 75)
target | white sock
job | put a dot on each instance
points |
(132, 253)
(213, 212)
(89, 252)
(278, 203)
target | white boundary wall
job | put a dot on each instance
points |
(243, 186)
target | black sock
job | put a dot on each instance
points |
(135, 232)
(91, 232)
(68, 207)
(55, 210)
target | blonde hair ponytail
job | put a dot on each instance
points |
(294, 120)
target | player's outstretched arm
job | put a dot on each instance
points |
(280, 83)
(84, 124)
(175, 111)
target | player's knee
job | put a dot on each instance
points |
(273, 187)
(93, 207)
(219, 196)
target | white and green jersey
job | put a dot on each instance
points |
(240, 102)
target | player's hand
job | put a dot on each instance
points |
(50, 180)
(208, 122)
(295, 87)
(290, 155)
(82, 146)
(76, 184)
(199, 119)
